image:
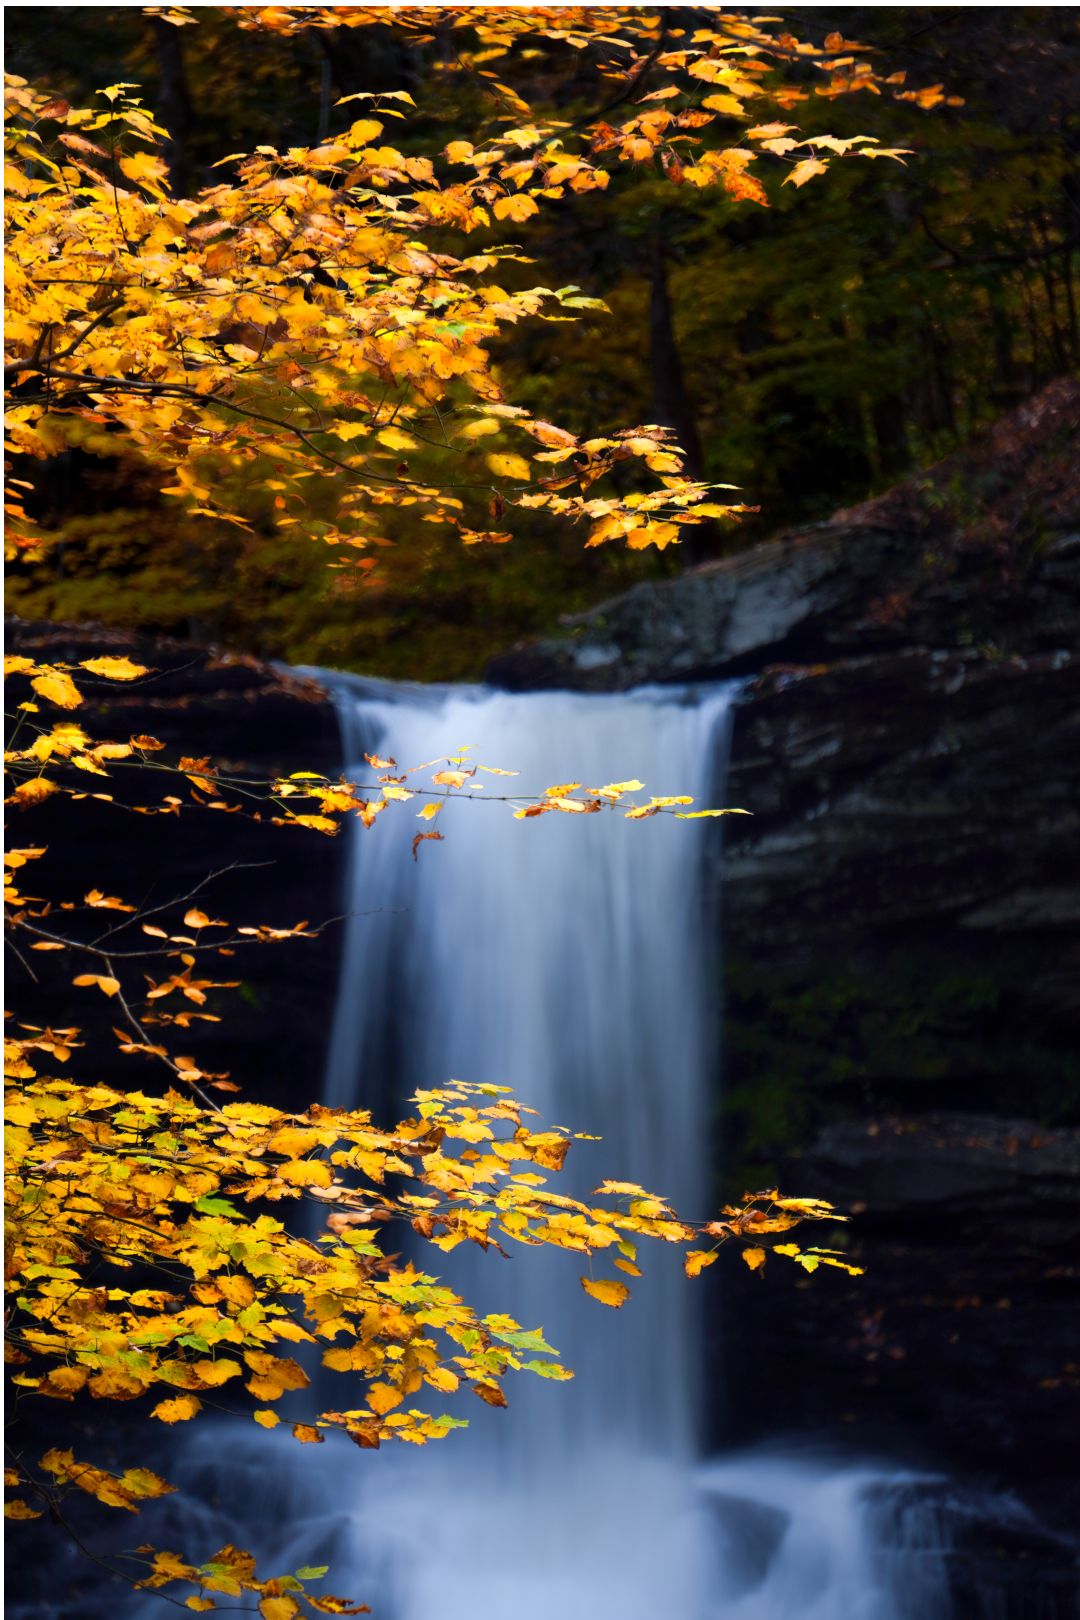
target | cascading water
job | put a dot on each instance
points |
(569, 958)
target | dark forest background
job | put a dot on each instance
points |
(812, 353)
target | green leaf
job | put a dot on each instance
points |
(217, 1206)
(547, 1369)
(524, 1340)
(310, 1573)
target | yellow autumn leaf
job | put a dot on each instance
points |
(68, 1379)
(382, 1398)
(33, 792)
(266, 1419)
(168, 1566)
(366, 130)
(278, 1608)
(216, 1373)
(273, 1375)
(696, 1260)
(429, 812)
(19, 1510)
(442, 1378)
(178, 1410)
(755, 1258)
(114, 669)
(308, 1435)
(306, 1173)
(724, 104)
(806, 170)
(103, 982)
(395, 439)
(144, 1482)
(696, 815)
(606, 1290)
(200, 1604)
(509, 466)
(58, 687)
(652, 534)
(517, 208)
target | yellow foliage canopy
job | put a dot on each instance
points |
(296, 308)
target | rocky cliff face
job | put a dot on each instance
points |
(901, 927)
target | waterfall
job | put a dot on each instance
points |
(570, 958)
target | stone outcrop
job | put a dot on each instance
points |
(981, 551)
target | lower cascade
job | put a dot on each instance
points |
(571, 958)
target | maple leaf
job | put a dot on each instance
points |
(806, 170)
(517, 208)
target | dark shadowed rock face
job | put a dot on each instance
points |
(959, 1346)
(252, 718)
(901, 923)
(916, 790)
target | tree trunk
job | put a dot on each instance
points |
(174, 107)
(671, 406)
(671, 403)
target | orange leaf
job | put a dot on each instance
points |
(103, 982)
(114, 669)
(606, 1291)
(517, 208)
(490, 1393)
(698, 1259)
(178, 1410)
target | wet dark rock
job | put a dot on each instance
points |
(956, 1166)
(959, 1346)
(921, 791)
